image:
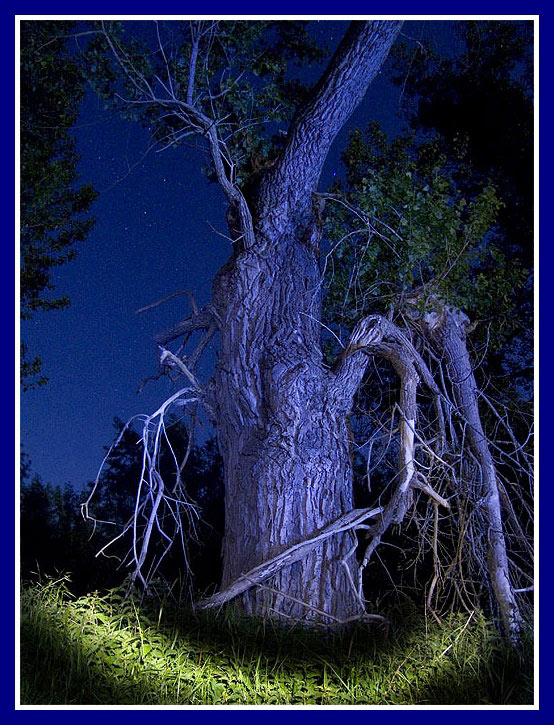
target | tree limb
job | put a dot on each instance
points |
(204, 319)
(294, 553)
(190, 115)
(288, 187)
(169, 297)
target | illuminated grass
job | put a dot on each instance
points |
(107, 650)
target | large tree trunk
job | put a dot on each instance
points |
(282, 431)
(281, 414)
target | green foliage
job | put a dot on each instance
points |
(477, 106)
(30, 370)
(478, 102)
(403, 226)
(110, 650)
(52, 206)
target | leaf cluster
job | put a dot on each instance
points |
(479, 105)
(400, 225)
(238, 73)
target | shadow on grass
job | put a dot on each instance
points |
(103, 650)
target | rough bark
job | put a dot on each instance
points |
(282, 431)
(285, 197)
(281, 417)
(289, 556)
(281, 414)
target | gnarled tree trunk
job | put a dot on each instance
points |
(282, 433)
(281, 414)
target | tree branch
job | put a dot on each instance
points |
(288, 188)
(294, 553)
(192, 117)
(204, 319)
(169, 297)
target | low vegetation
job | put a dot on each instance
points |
(108, 649)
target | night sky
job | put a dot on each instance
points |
(151, 238)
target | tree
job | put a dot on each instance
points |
(54, 538)
(52, 207)
(281, 409)
(479, 105)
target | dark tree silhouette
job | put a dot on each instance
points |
(52, 207)
(56, 539)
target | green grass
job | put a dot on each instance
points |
(108, 650)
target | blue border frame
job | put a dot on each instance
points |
(546, 400)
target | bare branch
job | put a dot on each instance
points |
(190, 115)
(419, 482)
(204, 319)
(169, 297)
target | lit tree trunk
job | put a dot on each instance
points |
(281, 414)
(281, 422)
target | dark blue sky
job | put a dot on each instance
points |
(152, 238)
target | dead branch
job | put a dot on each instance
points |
(294, 553)
(204, 319)
(167, 355)
(158, 507)
(170, 297)
(162, 95)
